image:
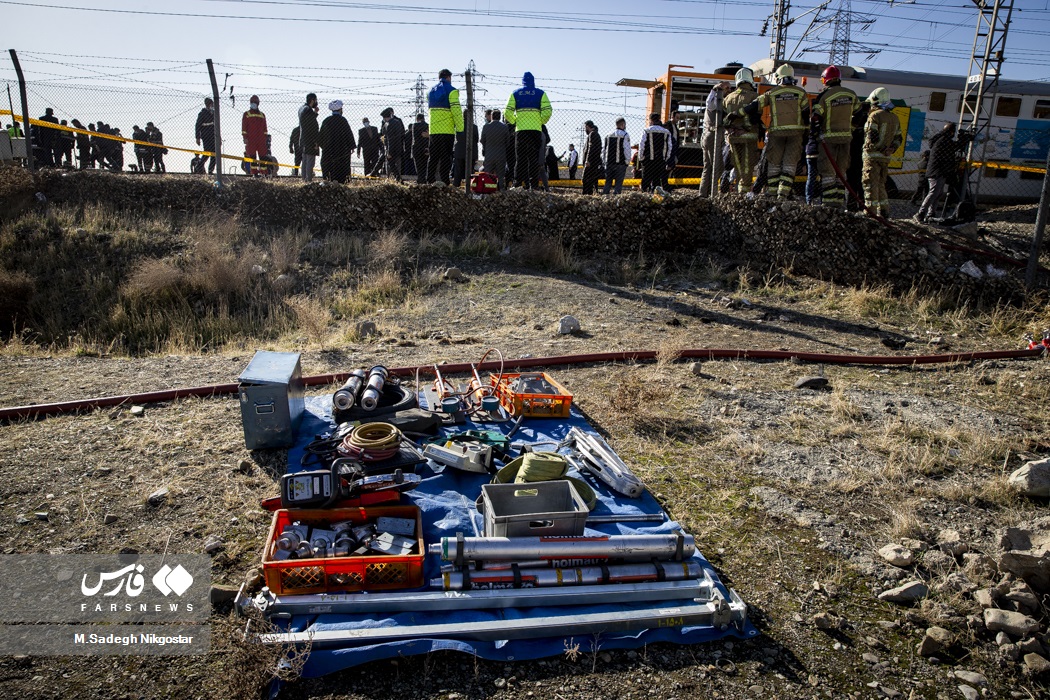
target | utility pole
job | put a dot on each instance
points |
(778, 35)
(421, 91)
(468, 131)
(218, 131)
(25, 111)
(982, 81)
(839, 53)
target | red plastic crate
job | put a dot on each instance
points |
(532, 405)
(340, 574)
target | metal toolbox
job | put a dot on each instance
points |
(271, 393)
(535, 509)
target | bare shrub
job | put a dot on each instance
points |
(16, 289)
(546, 254)
(156, 281)
(285, 252)
(252, 665)
(387, 248)
(310, 315)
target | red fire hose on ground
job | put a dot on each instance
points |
(50, 409)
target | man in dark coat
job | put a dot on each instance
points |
(369, 145)
(495, 141)
(393, 142)
(308, 135)
(154, 135)
(205, 131)
(592, 158)
(337, 144)
(459, 152)
(418, 140)
(943, 164)
(83, 145)
(48, 137)
(295, 149)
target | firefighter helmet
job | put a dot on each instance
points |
(785, 71)
(879, 96)
(830, 73)
(744, 75)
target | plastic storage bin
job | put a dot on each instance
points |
(535, 509)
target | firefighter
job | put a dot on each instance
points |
(253, 129)
(528, 109)
(882, 136)
(654, 150)
(446, 120)
(832, 118)
(742, 132)
(788, 117)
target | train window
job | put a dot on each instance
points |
(996, 173)
(971, 102)
(1041, 109)
(1008, 107)
(1032, 176)
(937, 100)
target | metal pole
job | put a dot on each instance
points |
(218, 130)
(468, 131)
(1040, 226)
(716, 167)
(25, 111)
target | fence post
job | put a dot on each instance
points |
(218, 130)
(468, 131)
(1040, 226)
(25, 111)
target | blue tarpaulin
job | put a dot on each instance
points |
(446, 500)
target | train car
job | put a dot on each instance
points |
(1014, 151)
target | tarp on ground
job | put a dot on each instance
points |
(446, 500)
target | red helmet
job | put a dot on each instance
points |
(830, 73)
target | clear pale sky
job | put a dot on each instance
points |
(123, 66)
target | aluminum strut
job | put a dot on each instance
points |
(432, 601)
(542, 578)
(631, 547)
(718, 612)
(599, 459)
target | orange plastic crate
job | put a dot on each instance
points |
(340, 574)
(532, 405)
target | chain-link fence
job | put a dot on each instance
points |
(143, 125)
(146, 116)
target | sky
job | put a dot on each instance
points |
(130, 62)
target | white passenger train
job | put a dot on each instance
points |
(1018, 140)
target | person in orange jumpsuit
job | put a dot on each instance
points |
(253, 129)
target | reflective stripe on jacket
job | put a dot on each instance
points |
(739, 126)
(528, 109)
(446, 116)
(835, 108)
(253, 126)
(881, 135)
(786, 103)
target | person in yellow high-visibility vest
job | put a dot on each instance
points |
(788, 119)
(882, 136)
(528, 109)
(446, 120)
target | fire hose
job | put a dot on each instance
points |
(61, 407)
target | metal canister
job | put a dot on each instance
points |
(376, 379)
(346, 395)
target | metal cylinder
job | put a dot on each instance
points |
(543, 578)
(370, 396)
(289, 541)
(628, 547)
(346, 395)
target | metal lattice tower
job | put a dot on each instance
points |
(778, 36)
(421, 91)
(839, 53)
(982, 81)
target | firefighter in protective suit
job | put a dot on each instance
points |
(832, 120)
(882, 136)
(741, 130)
(253, 129)
(788, 119)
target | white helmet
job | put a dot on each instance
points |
(785, 71)
(879, 96)
(745, 75)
